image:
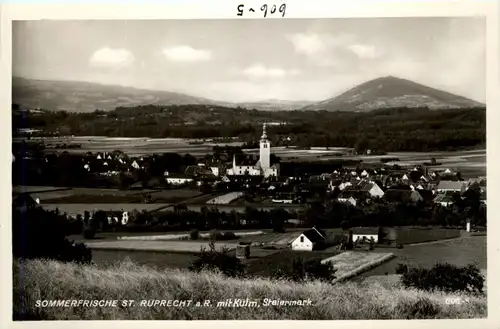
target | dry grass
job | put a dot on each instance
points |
(48, 280)
(351, 263)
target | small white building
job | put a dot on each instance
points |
(178, 179)
(308, 240)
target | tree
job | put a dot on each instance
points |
(41, 234)
(211, 259)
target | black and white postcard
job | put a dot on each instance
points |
(267, 161)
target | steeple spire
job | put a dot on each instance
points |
(264, 135)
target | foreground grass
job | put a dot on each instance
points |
(50, 280)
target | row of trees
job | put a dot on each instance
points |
(402, 129)
(334, 215)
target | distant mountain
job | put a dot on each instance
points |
(74, 96)
(390, 92)
(275, 105)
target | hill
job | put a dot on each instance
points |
(128, 281)
(392, 92)
(76, 96)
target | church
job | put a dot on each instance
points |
(263, 167)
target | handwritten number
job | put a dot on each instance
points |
(240, 10)
(264, 9)
(282, 10)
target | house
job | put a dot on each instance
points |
(403, 196)
(451, 186)
(364, 234)
(347, 199)
(178, 179)
(371, 188)
(309, 240)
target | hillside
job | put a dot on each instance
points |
(75, 96)
(391, 92)
(128, 281)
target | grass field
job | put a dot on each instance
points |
(351, 263)
(48, 280)
(157, 246)
(460, 252)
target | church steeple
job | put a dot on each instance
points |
(264, 134)
(265, 149)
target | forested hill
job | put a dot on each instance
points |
(397, 129)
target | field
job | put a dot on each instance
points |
(55, 195)
(157, 246)
(460, 252)
(471, 163)
(351, 263)
(128, 281)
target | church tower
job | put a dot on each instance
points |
(265, 150)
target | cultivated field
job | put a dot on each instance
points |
(460, 252)
(80, 208)
(343, 301)
(157, 246)
(351, 263)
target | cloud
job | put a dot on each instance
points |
(187, 54)
(364, 51)
(111, 58)
(261, 71)
(331, 50)
(308, 44)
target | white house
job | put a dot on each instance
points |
(308, 240)
(178, 179)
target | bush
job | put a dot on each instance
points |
(446, 277)
(401, 268)
(211, 259)
(194, 235)
(310, 270)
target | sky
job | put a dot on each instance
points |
(254, 60)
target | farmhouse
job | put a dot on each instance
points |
(309, 240)
(178, 179)
(371, 188)
(451, 186)
(444, 199)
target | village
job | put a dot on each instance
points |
(178, 203)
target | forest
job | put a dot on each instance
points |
(386, 130)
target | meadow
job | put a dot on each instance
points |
(49, 280)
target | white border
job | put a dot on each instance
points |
(220, 9)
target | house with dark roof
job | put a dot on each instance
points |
(451, 186)
(310, 240)
(444, 199)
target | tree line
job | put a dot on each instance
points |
(399, 129)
